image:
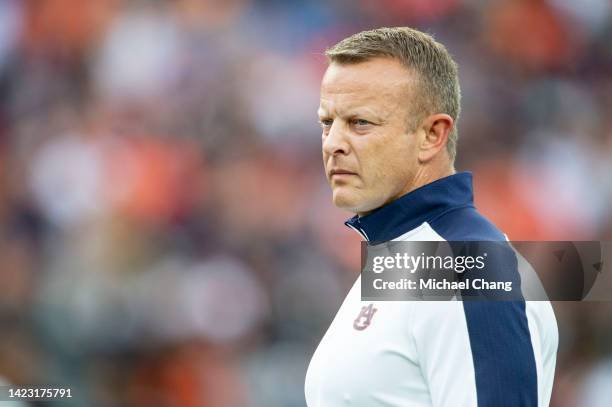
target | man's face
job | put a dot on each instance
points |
(369, 153)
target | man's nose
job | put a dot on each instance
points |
(335, 142)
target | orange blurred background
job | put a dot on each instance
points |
(166, 231)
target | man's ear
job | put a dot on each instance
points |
(437, 128)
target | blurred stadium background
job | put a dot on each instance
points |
(166, 231)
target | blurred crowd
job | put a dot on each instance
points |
(167, 236)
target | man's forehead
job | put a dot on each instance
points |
(379, 82)
(350, 102)
(377, 73)
(379, 78)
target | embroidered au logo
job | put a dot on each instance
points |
(365, 317)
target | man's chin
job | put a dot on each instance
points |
(350, 202)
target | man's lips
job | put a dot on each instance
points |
(340, 172)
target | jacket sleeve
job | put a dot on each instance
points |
(476, 353)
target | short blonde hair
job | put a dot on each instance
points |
(439, 90)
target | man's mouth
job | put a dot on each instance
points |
(338, 172)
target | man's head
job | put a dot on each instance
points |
(389, 101)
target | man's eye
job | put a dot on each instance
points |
(361, 122)
(325, 123)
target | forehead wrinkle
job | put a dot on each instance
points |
(378, 73)
(384, 89)
(363, 86)
(382, 103)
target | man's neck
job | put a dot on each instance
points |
(423, 176)
(426, 176)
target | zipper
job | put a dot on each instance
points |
(359, 230)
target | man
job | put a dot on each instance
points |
(389, 106)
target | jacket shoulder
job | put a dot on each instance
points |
(466, 223)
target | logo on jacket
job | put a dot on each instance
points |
(364, 318)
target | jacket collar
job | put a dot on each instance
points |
(423, 204)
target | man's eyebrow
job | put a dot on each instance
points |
(366, 111)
